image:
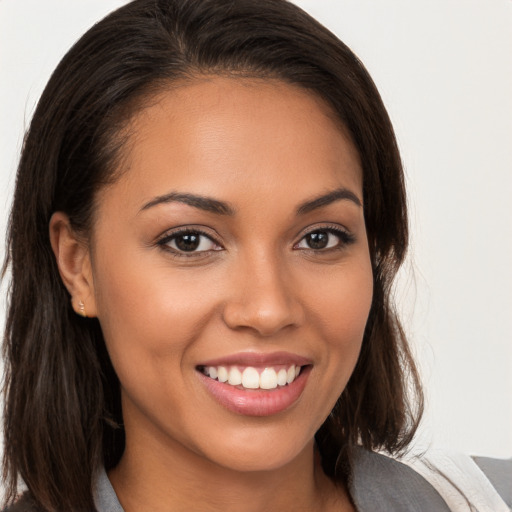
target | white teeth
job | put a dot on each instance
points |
(235, 377)
(251, 378)
(268, 379)
(222, 374)
(281, 377)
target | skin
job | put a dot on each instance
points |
(265, 148)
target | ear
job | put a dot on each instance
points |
(74, 263)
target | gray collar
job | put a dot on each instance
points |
(105, 498)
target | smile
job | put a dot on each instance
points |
(254, 384)
(251, 377)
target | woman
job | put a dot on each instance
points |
(217, 202)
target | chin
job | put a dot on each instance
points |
(260, 453)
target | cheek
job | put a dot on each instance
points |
(342, 305)
(147, 312)
(151, 319)
(341, 314)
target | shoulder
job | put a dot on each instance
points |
(380, 483)
(435, 481)
(499, 473)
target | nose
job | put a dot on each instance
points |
(263, 298)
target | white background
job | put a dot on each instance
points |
(444, 69)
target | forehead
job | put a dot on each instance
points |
(215, 135)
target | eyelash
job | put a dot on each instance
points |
(169, 237)
(345, 239)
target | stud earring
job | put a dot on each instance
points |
(81, 309)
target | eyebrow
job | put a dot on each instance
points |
(203, 203)
(339, 194)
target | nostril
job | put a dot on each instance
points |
(264, 318)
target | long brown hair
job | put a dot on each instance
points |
(62, 399)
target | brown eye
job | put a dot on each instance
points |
(325, 239)
(190, 242)
(317, 240)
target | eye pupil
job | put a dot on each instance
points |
(318, 239)
(188, 242)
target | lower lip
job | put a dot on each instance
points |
(257, 402)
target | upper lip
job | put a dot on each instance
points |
(258, 359)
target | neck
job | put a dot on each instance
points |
(160, 478)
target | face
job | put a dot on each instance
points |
(231, 272)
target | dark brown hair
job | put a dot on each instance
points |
(62, 398)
